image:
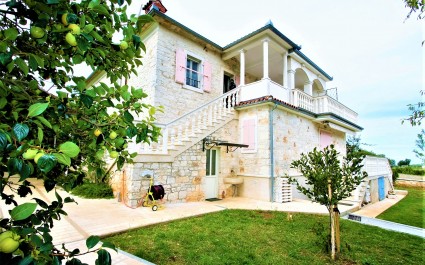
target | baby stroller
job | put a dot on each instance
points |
(155, 192)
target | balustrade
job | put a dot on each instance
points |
(194, 122)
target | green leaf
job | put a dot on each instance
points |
(136, 41)
(99, 90)
(100, 154)
(91, 93)
(33, 84)
(11, 34)
(44, 121)
(3, 141)
(22, 65)
(103, 257)
(5, 58)
(24, 172)
(40, 135)
(36, 240)
(145, 19)
(23, 211)
(138, 93)
(37, 108)
(20, 131)
(109, 245)
(93, 3)
(40, 61)
(63, 159)
(3, 102)
(101, 9)
(62, 94)
(120, 162)
(14, 166)
(126, 95)
(26, 261)
(88, 28)
(87, 100)
(70, 149)
(33, 62)
(46, 163)
(128, 117)
(52, 2)
(96, 35)
(92, 241)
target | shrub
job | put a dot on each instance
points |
(410, 170)
(94, 191)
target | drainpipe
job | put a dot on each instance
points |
(271, 146)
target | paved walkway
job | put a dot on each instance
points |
(375, 209)
(103, 217)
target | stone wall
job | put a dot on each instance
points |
(183, 178)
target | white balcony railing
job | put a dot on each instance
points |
(296, 97)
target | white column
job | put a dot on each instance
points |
(285, 70)
(291, 79)
(308, 88)
(265, 58)
(242, 68)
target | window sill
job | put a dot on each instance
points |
(193, 89)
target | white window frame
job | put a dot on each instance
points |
(245, 150)
(200, 60)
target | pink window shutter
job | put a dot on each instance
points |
(237, 80)
(207, 77)
(325, 139)
(180, 66)
(249, 133)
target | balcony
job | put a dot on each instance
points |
(323, 104)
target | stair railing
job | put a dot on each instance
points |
(187, 126)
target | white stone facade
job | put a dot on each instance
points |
(183, 175)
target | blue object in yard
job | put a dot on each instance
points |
(381, 188)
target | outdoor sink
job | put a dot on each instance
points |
(233, 180)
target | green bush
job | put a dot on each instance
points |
(94, 191)
(410, 170)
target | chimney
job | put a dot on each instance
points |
(155, 4)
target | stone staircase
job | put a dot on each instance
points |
(357, 196)
(189, 129)
(375, 167)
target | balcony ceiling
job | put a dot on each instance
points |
(254, 63)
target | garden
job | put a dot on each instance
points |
(263, 237)
(410, 210)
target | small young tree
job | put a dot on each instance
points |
(420, 144)
(329, 181)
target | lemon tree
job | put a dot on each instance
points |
(62, 136)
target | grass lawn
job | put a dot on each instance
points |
(260, 237)
(410, 210)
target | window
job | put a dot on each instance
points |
(249, 135)
(211, 162)
(192, 71)
(193, 75)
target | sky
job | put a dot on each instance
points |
(373, 53)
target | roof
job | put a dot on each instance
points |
(266, 27)
(269, 26)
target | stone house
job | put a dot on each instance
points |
(234, 117)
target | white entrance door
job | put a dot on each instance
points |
(211, 177)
